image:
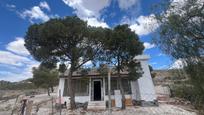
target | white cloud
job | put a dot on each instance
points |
(148, 45)
(96, 23)
(161, 54)
(12, 59)
(153, 63)
(144, 25)
(18, 47)
(15, 63)
(11, 6)
(178, 64)
(89, 10)
(89, 63)
(24, 74)
(13, 77)
(125, 4)
(37, 13)
(44, 5)
(162, 67)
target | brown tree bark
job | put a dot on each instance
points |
(71, 91)
(52, 89)
(48, 91)
(121, 86)
(122, 91)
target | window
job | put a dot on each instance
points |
(115, 85)
(80, 87)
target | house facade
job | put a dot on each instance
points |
(94, 88)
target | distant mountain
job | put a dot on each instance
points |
(25, 84)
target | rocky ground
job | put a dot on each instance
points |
(162, 109)
(43, 106)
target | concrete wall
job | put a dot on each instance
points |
(61, 86)
(144, 85)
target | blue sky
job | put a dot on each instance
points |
(16, 16)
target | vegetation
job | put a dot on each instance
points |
(120, 47)
(151, 71)
(45, 78)
(181, 29)
(181, 34)
(22, 85)
(68, 41)
(72, 43)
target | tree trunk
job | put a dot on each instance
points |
(70, 91)
(48, 91)
(122, 92)
(52, 89)
(121, 86)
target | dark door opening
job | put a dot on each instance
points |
(97, 90)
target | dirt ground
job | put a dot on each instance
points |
(45, 108)
(162, 109)
(42, 105)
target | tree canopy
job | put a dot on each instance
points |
(71, 43)
(181, 32)
(120, 46)
(68, 41)
(45, 77)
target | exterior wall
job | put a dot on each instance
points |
(135, 90)
(113, 97)
(79, 99)
(83, 99)
(142, 89)
(145, 83)
(61, 86)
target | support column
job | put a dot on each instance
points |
(145, 86)
(61, 86)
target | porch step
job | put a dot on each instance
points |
(96, 105)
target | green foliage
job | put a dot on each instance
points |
(181, 31)
(62, 68)
(84, 71)
(181, 34)
(135, 70)
(44, 77)
(196, 76)
(122, 45)
(67, 41)
(184, 91)
(190, 93)
(6, 85)
(62, 40)
(119, 47)
(103, 69)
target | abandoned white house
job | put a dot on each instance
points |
(94, 87)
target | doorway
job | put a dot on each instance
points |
(97, 90)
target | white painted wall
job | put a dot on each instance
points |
(61, 86)
(145, 83)
(135, 90)
(80, 99)
(113, 97)
(142, 89)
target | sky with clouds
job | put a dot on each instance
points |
(16, 16)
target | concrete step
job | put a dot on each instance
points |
(96, 105)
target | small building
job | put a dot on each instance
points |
(93, 87)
